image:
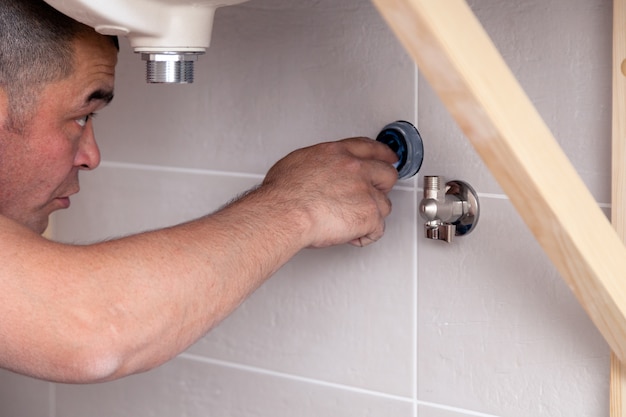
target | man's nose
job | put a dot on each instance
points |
(88, 153)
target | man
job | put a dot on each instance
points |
(99, 312)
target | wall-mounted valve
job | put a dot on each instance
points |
(450, 210)
(404, 139)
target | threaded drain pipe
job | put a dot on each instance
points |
(170, 67)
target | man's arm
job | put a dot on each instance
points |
(99, 312)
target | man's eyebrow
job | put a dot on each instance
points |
(100, 95)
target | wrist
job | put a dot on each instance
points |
(276, 214)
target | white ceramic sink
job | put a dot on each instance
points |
(150, 25)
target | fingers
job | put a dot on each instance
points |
(339, 189)
(364, 241)
(384, 206)
(383, 176)
(366, 148)
(377, 159)
(369, 238)
(381, 158)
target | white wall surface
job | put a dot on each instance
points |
(406, 327)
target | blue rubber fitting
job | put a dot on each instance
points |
(405, 140)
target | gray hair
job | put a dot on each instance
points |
(35, 49)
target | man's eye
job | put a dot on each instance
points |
(83, 120)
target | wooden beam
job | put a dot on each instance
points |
(618, 183)
(617, 387)
(457, 57)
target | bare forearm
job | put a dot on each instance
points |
(173, 285)
(98, 312)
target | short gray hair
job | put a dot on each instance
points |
(35, 49)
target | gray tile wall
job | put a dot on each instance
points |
(406, 327)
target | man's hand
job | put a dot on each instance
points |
(339, 187)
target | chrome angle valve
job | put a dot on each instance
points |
(449, 209)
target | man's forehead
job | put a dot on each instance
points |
(94, 56)
(94, 70)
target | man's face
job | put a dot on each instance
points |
(39, 165)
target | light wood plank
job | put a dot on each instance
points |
(463, 66)
(618, 387)
(618, 187)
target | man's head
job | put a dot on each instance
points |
(35, 49)
(54, 74)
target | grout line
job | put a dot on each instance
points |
(199, 171)
(415, 318)
(494, 196)
(178, 170)
(505, 197)
(455, 410)
(406, 187)
(52, 399)
(283, 375)
(342, 387)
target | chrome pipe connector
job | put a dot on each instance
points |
(450, 211)
(170, 67)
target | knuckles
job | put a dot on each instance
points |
(343, 186)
